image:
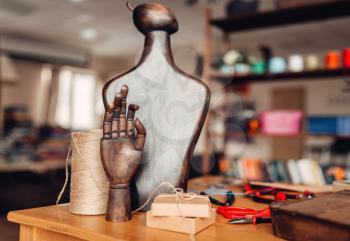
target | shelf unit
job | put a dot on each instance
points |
(298, 135)
(292, 76)
(283, 17)
(304, 135)
(36, 167)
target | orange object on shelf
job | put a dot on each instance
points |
(224, 165)
(252, 170)
(337, 172)
(253, 127)
(332, 60)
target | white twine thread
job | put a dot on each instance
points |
(179, 195)
(66, 178)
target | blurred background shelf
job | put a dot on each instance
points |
(291, 76)
(281, 17)
(299, 135)
(35, 167)
(305, 135)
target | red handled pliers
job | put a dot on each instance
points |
(238, 215)
(261, 195)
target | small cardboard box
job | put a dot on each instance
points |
(169, 205)
(180, 224)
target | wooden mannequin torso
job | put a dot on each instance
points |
(173, 108)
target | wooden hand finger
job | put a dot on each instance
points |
(122, 119)
(118, 100)
(140, 135)
(107, 121)
(124, 92)
(115, 122)
(130, 119)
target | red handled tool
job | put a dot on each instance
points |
(240, 215)
(262, 195)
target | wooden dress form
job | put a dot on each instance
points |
(173, 104)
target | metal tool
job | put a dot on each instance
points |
(230, 198)
(248, 220)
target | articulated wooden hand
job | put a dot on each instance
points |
(121, 150)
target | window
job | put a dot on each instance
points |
(77, 103)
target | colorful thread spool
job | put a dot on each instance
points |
(295, 63)
(346, 58)
(242, 68)
(277, 65)
(258, 67)
(332, 60)
(312, 62)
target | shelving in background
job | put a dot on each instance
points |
(290, 16)
(236, 79)
(294, 76)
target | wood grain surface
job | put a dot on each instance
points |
(67, 226)
(322, 218)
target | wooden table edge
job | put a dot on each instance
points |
(21, 219)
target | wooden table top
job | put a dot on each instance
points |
(58, 219)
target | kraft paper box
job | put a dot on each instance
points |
(170, 205)
(180, 224)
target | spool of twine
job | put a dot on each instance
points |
(89, 185)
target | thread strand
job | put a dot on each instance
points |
(66, 177)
